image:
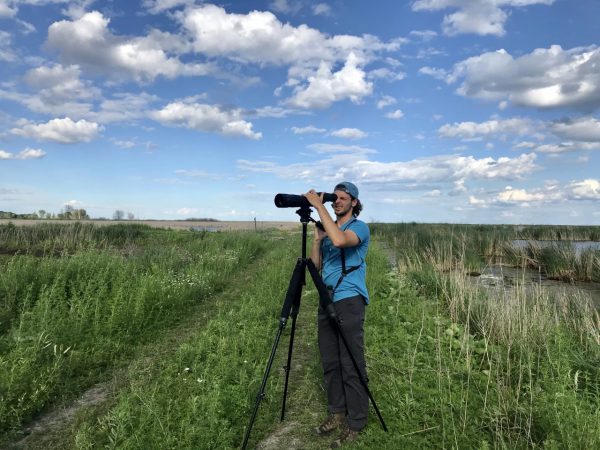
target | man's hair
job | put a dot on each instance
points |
(357, 209)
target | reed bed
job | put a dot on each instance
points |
(533, 355)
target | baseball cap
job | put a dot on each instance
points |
(348, 188)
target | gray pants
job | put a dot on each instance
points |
(345, 392)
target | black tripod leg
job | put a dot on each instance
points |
(327, 304)
(291, 302)
(261, 391)
(299, 282)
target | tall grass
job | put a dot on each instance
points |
(559, 261)
(471, 247)
(529, 359)
(65, 320)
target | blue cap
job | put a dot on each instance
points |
(348, 188)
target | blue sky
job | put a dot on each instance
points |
(439, 110)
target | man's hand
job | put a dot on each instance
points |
(313, 198)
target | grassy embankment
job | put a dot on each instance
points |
(448, 368)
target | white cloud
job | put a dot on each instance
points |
(397, 114)
(88, 42)
(28, 153)
(353, 163)
(7, 9)
(552, 193)
(6, 53)
(588, 189)
(386, 100)
(386, 74)
(425, 35)
(326, 87)
(285, 6)
(308, 130)
(585, 129)
(160, 6)
(60, 90)
(484, 17)
(186, 211)
(321, 9)
(63, 131)
(314, 57)
(476, 201)
(203, 117)
(439, 74)
(349, 133)
(474, 130)
(511, 195)
(545, 78)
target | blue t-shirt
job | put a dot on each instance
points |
(353, 283)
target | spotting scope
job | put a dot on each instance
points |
(298, 201)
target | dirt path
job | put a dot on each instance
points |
(55, 428)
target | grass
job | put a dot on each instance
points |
(66, 320)
(450, 365)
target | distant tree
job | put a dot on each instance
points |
(41, 214)
(118, 215)
(130, 216)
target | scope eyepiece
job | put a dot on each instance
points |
(298, 201)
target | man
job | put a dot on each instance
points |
(343, 244)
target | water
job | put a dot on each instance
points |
(577, 246)
(498, 277)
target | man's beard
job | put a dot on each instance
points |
(342, 212)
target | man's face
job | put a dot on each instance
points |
(343, 204)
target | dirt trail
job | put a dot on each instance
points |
(50, 428)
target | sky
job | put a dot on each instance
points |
(460, 111)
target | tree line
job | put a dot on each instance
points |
(67, 213)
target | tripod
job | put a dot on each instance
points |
(291, 307)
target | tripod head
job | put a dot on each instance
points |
(304, 212)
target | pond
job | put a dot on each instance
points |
(577, 246)
(498, 276)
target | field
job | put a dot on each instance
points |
(173, 224)
(127, 336)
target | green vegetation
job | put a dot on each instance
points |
(179, 326)
(64, 321)
(471, 247)
(522, 365)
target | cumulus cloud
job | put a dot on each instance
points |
(60, 90)
(551, 193)
(28, 153)
(87, 41)
(349, 133)
(314, 57)
(208, 118)
(397, 114)
(544, 78)
(588, 189)
(7, 9)
(326, 87)
(586, 129)
(63, 131)
(474, 130)
(484, 17)
(354, 163)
